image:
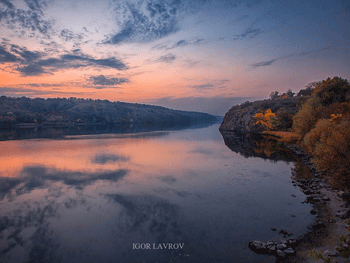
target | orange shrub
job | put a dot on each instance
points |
(307, 117)
(329, 143)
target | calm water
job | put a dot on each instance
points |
(89, 198)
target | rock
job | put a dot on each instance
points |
(289, 251)
(272, 248)
(346, 196)
(292, 242)
(273, 229)
(332, 220)
(344, 205)
(293, 195)
(270, 243)
(325, 198)
(313, 211)
(258, 247)
(283, 232)
(331, 253)
(345, 245)
(318, 224)
(281, 254)
(340, 193)
(343, 214)
(307, 192)
(281, 246)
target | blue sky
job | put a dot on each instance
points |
(190, 55)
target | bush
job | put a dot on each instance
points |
(329, 143)
(284, 118)
(307, 117)
(332, 91)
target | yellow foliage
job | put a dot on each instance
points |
(307, 117)
(329, 143)
(267, 120)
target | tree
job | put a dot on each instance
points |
(267, 120)
(290, 93)
(274, 95)
(332, 90)
(284, 118)
(307, 117)
(309, 89)
(329, 143)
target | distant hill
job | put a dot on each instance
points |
(60, 112)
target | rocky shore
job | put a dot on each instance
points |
(328, 237)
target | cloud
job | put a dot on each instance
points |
(216, 84)
(203, 86)
(155, 217)
(168, 58)
(105, 81)
(68, 35)
(10, 91)
(37, 176)
(32, 70)
(249, 33)
(26, 55)
(68, 61)
(146, 21)
(180, 43)
(34, 177)
(31, 19)
(264, 63)
(6, 56)
(36, 5)
(169, 179)
(7, 3)
(214, 105)
(293, 55)
(104, 158)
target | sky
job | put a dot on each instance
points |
(199, 55)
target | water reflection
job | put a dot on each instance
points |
(255, 145)
(89, 198)
(62, 132)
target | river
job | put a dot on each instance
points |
(127, 197)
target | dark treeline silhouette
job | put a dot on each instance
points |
(61, 112)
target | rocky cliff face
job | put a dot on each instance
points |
(240, 118)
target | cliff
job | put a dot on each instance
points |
(240, 118)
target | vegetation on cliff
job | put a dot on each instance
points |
(323, 125)
(318, 117)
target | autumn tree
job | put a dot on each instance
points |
(266, 119)
(307, 117)
(329, 143)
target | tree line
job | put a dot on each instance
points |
(322, 125)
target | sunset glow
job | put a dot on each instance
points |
(189, 55)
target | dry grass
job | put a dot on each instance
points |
(282, 136)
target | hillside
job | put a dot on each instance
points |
(60, 112)
(240, 118)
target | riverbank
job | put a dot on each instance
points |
(324, 238)
(327, 239)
